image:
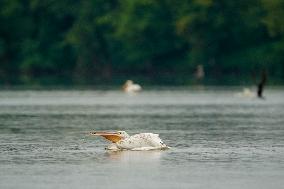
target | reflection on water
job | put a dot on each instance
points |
(135, 156)
(218, 139)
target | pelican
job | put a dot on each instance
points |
(122, 141)
(131, 87)
(246, 93)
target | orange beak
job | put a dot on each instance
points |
(111, 136)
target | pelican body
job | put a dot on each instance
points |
(122, 141)
(130, 87)
(246, 93)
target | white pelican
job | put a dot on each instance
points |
(131, 87)
(246, 93)
(122, 141)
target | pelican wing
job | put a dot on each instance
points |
(142, 141)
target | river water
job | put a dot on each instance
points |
(219, 139)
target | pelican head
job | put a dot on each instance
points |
(129, 82)
(111, 136)
(122, 134)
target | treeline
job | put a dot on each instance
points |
(156, 41)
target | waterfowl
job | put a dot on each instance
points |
(122, 141)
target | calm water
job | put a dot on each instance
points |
(218, 140)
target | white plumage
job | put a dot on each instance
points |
(122, 141)
(131, 87)
(246, 93)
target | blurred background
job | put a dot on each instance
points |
(155, 42)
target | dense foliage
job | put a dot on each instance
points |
(156, 41)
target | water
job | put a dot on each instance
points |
(218, 140)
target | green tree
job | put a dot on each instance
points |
(90, 38)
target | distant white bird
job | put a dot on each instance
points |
(122, 141)
(131, 87)
(246, 93)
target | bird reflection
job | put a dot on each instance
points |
(134, 156)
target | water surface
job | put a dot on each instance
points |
(218, 139)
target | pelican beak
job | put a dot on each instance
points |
(111, 136)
